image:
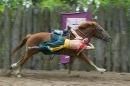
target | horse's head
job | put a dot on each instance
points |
(92, 29)
(100, 33)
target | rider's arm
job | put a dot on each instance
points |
(90, 46)
(56, 43)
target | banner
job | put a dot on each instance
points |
(73, 19)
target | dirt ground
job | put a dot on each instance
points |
(61, 78)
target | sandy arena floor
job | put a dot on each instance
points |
(61, 78)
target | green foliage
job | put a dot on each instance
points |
(11, 3)
(115, 2)
(52, 3)
(2, 7)
(70, 2)
(15, 3)
(63, 3)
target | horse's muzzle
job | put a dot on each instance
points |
(107, 39)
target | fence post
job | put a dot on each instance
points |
(6, 39)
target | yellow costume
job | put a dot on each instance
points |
(66, 45)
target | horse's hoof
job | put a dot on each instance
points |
(13, 66)
(19, 75)
(101, 70)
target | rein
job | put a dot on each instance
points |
(98, 27)
(82, 32)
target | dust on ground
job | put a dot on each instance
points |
(61, 78)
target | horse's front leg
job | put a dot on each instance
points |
(83, 57)
(70, 64)
(18, 71)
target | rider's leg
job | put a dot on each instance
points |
(34, 47)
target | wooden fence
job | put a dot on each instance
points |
(113, 56)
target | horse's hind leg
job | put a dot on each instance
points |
(87, 60)
(15, 65)
(22, 61)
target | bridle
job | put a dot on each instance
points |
(98, 27)
(82, 33)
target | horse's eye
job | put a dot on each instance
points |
(100, 29)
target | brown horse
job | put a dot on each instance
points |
(86, 29)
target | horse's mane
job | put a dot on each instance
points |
(84, 25)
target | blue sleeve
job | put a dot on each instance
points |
(59, 42)
(58, 32)
(65, 32)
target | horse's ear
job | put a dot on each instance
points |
(68, 27)
(82, 25)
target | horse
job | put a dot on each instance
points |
(87, 29)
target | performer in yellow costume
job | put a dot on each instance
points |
(60, 42)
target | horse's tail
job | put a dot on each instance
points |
(22, 43)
